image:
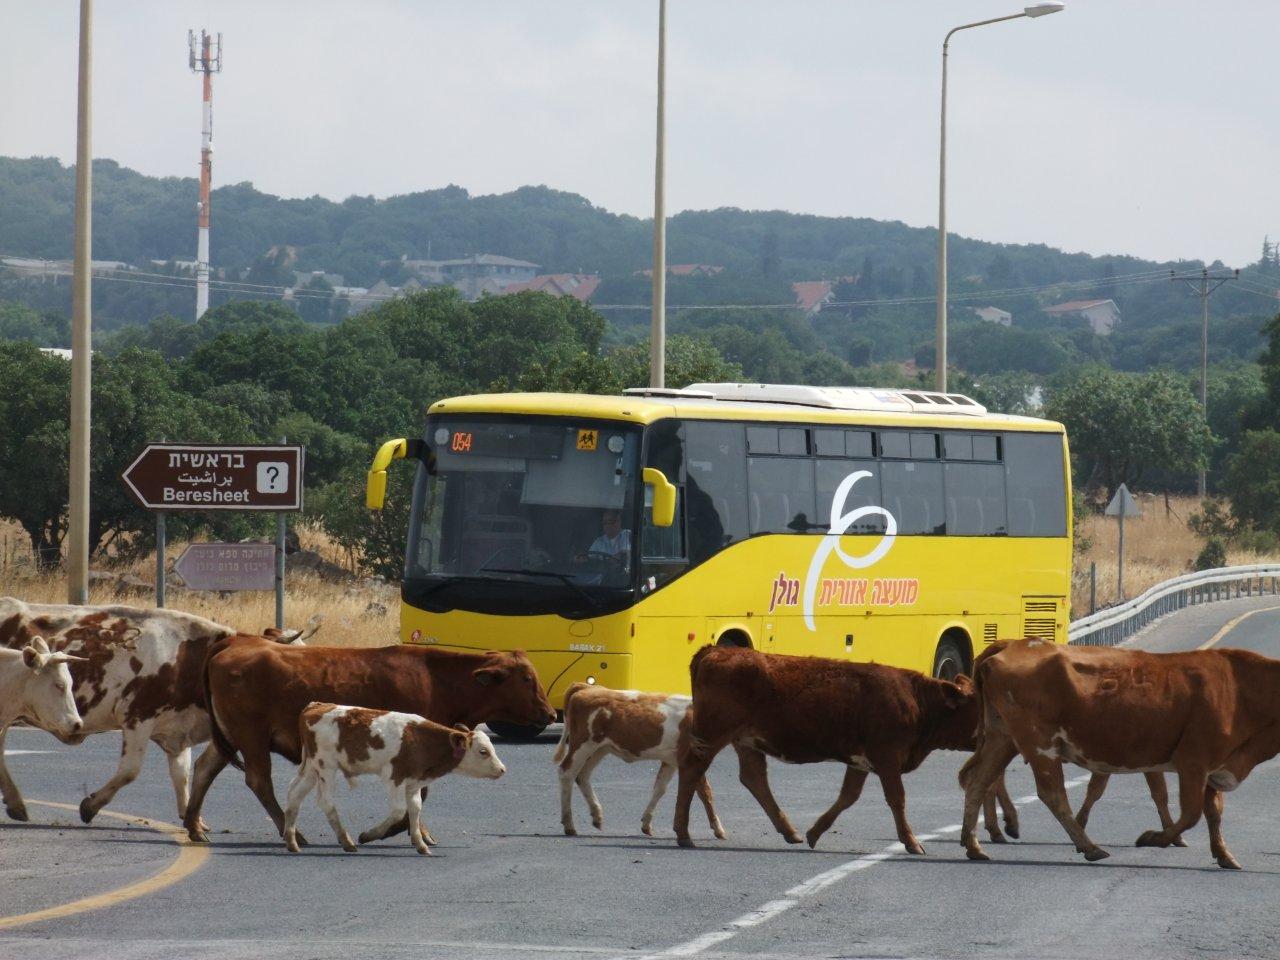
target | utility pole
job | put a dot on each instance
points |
(81, 325)
(658, 322)
(1203, 286)
(204, 62)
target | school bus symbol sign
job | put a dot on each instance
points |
(588, 439)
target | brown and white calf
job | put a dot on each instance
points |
(136, 670)
(872, 718)
(405, 750)
(35, 685)
(599, 722)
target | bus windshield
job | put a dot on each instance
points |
(545, 506)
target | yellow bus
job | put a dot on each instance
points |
(612, 536)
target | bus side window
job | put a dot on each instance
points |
(716, 486)
(1036, 484)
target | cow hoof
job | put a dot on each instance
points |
(685, 842)
(1228, 862)
(368, 837)
(996, 836)
(812, 837)
(719, 833)
(646, 829)
(17, 812)
(1096, 854)
(291, 845)
(1011, 829)
(793, 837)
(1151, 838)
(197, 836)
(424, 850)
(87, 810)
(302, 841)
(350, 847)
(914, 848)
(568, 832)
(428, 839)
(976, 855)
(1179, 842)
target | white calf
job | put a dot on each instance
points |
(36, 685)
(627, 724)
(405, 750)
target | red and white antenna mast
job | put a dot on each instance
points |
(204, 61)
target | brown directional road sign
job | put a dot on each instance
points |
(211, 476)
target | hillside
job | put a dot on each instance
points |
(139, 219)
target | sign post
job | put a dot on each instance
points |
(216, 476)
(1122, 505)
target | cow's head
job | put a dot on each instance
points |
(46, 690)
(475, 754)
(295, 638)
(956, 715)
(511, 690)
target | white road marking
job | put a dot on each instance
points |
(793, 897)
(18, 753)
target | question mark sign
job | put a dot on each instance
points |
(273, 473)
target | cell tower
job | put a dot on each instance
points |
(202, 60)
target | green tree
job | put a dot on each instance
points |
(1120, 426)
(1252, 481)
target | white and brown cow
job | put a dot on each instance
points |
(138, 671)
(599, 722)
(407, 751)
(35, 685)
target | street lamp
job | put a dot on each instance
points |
(940, 357)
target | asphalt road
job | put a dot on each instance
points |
(505, 883)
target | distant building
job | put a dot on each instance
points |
(1101, 315)
(302, 278)
(994, 315)
(580, 286)
(62, 352)
(474, 275)
(686, 270)
(812, 294)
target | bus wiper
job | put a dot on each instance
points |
(564, 578)
(448, 581)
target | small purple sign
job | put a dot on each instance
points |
(228, 566)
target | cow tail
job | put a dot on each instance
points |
(693, 664)
(563, 745)
(219, 738)
(979, 671)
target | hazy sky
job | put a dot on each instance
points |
(1116, 126)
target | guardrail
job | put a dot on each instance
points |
(1115, 624)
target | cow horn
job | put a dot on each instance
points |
(66, 658)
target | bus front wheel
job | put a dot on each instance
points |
(949, 661)
(519, 732)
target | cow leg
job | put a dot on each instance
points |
(977, 777)
(895, 794)
(303, 783)
(1191, 789)
(583, 780)
(180, 775)
(665, 772)
(850, 790)
(1009, 808)
(383, 830)
(1092, 794)
(694, 763)
(1052, 790)
(1213, 819)
(257, 777)
(324, 796)
(133, 747)
(990, 817)
(569, 770)
(13, 804)
(1160, 797)
(208, 766)
(753, 773)
(413, 802)
(704, 794)
(396, 820)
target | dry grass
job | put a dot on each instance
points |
(349, 620)
(1157, 546)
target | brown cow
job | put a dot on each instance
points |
(1211, 715)
(256, 690)
(874, 719)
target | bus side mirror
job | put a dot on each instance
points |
(375, 494)
(664, 497)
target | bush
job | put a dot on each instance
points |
(1256, 541)
(1214, 520)
(1213, 555)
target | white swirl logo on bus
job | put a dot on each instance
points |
(819, 591)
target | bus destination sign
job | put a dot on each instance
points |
(179, 476)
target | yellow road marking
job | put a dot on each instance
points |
(190, 857)
(1231, 625)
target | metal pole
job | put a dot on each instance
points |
(81, 326)
(1093, 587)
(658, 325)
(280, 531)
(1120, 564)
(940, 348)
(160, 564)
(1201, 482)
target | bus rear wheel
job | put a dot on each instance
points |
(949, 662)
(518, 732)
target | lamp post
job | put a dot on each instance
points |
(940, 357)
(81, 325)
(658, 320)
